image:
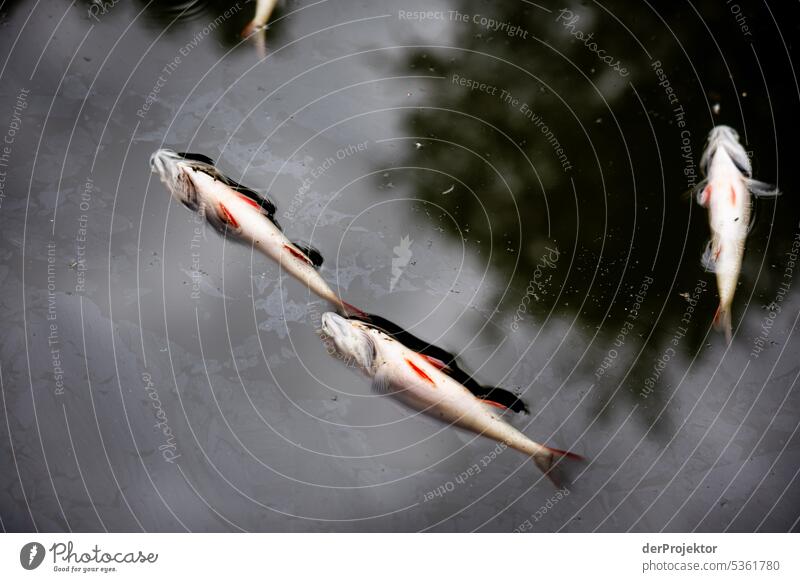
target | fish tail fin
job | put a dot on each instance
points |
(251, 27)
(264, 10)
(558, 454)
(548, 461)
(722, 322)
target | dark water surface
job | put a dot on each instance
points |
(157, 377)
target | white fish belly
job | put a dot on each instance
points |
(452, 403)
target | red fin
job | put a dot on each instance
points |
(567, 454)
(297, 254)
(493, 403)
(250, 201)
(353, 310)
(554, 479)
(549, 463)
(733, 196)
(706, 195)
(420, 372)
(722, 322)
(249, 29)
(227, 217)
(436, 363)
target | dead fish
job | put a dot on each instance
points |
(242, 214)
(446, 361)
(264, 9)
(420, 382)
(726, 192)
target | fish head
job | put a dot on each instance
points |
(352, 339)
(725, 138)
(164, 162)
(171, 167)
(723, 133)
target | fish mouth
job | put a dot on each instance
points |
(334, 325)
(153, 162)
(349, 339)
(166, 164)
(723, 132)
(160, 161)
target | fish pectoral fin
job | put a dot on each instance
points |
(217, 219)
(311, 252)
(226, 217)
(188, 192)
(700, 192)
(709, 258)
(381, 385)
(761, 189)
(436, 363)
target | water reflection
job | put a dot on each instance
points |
(227, 18)
(164, 12)
(567, 150)
(566, 194)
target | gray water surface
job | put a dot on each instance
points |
(482, 177)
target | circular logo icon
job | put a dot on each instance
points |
(31, 555)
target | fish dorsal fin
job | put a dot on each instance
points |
(493, 407)
(206, 164)
(265, 207)
(310, 251)
(498, 397)
(493, 396)
(444, 361)
(265, 204)
(409, 340)
(196, 158)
